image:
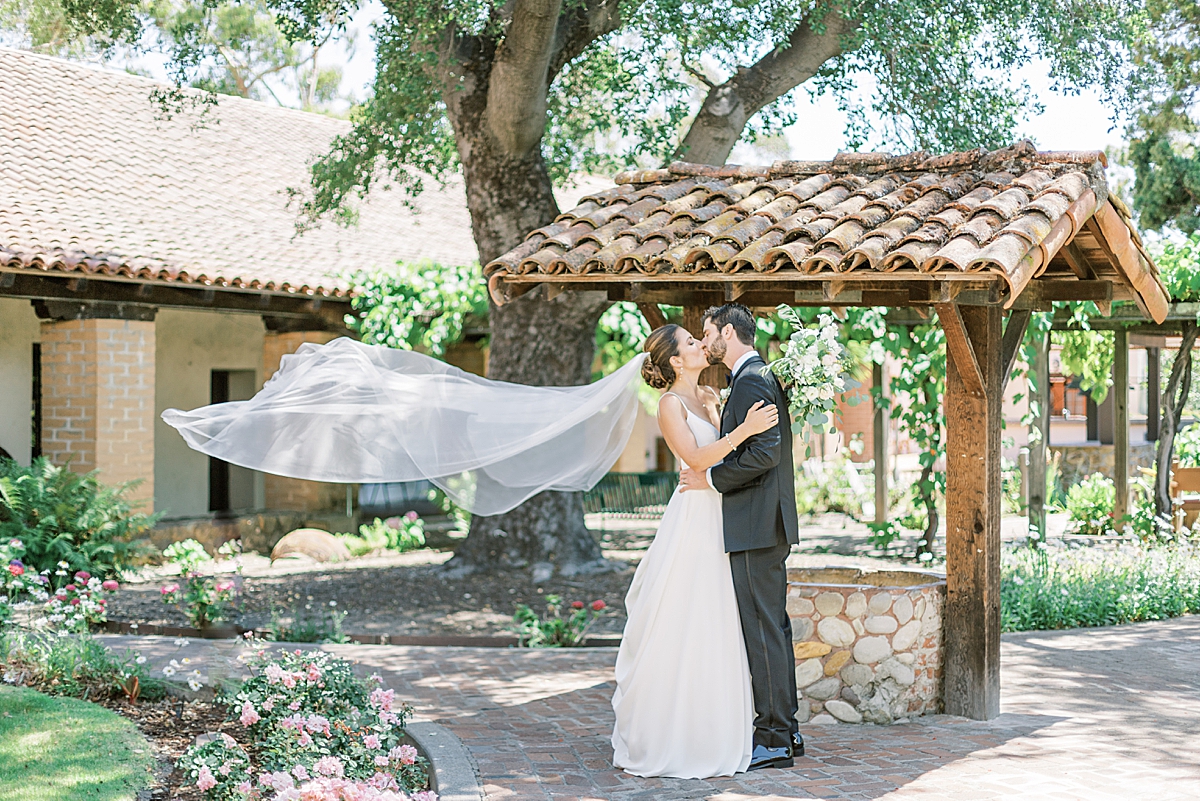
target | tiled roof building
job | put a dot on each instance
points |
(150, 262)
(865, 222)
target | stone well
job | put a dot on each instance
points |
(868, 643)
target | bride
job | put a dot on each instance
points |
(683, 701)
(350, 412)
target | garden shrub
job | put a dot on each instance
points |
(832, 485)
(62, 516)
(76, 665)
(1187, 446)
(1090, 505)
(400, 534)
(314, 726)
(203, 599)
(1059, 588)
(559, 627)
(323, 625)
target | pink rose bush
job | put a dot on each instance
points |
(320, 733)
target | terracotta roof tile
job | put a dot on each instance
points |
(92, 183)
(1005, 212)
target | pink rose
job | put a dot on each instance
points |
(249, 715)
(170, 589)
(16, 569)
(110, 586)
(74, 602)
(329, 766)
(404, 754)
(381, 761)
(223, 586)
(83, 576)
(70, 588)
(371, 741)
(205, 780)
(245, 788)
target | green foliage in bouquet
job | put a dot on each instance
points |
(814, 369)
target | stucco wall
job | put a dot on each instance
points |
(191, 344)
(18, 331)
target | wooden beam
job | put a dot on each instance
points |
(879, 430)
(971, 621)
(178, 296)
(1121, 424)
(958, 346)
(736, 289)
(1014, 335)
(1039, 435)
(654, 316)
(1078, 262)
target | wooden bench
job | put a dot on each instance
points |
(1185, 495)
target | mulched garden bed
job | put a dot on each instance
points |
(415, 600)
(171, 725)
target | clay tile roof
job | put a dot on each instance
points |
(1005, 213)
(91, 181)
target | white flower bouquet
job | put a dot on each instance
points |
(813, 368)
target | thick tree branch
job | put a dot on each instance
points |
(728, 107)
(519, 81)
(581, 26)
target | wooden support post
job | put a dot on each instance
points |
(972, 616)
(715, 376)
(1121, 422)
(879, 431)
(1039, 437)
(653, 315)
(1153, 392)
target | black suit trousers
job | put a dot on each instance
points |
(760, 583)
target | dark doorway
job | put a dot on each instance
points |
(230, 488)
(35, 444)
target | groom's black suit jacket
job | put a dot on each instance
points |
(757, 481)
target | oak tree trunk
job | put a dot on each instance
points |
(1173, 400)
(533, 341)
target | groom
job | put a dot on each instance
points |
(758, 500)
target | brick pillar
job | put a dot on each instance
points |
(98, 399)
(293, 494)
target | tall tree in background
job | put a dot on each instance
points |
(244, 51)
(520, 94)
(1163, 136)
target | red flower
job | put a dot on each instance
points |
(74, 602)
(577, 604)
(598, 606)
(16, 570)
(110, 586)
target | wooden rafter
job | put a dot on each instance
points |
(958, 346)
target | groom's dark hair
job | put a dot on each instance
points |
(737, 315)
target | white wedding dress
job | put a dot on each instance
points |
(683, 702)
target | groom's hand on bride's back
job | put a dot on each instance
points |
(690, 479)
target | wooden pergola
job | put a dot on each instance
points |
(976, 237)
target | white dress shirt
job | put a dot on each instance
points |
(736, 366)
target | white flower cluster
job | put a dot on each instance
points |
(813, 369)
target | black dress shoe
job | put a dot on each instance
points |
(797, 744)
(764, 757)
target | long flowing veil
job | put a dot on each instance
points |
(347, 412)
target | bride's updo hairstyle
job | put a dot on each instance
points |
(661, 345)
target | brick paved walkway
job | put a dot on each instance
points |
(1089, 714)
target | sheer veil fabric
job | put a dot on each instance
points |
(345, 412)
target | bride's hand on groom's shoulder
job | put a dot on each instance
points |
(690, 479)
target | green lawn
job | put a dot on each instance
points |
(58, 748)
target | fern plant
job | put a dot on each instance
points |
(67, 521)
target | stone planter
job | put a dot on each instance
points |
(868, 644)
